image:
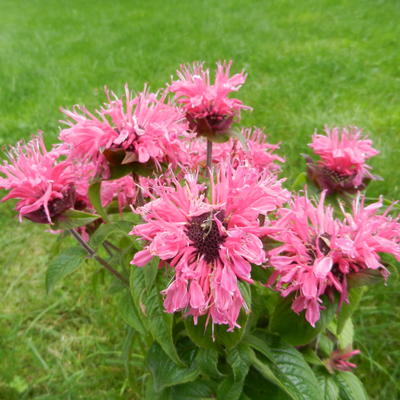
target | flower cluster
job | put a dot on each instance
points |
(147, 152)
(319, 252)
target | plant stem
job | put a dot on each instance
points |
(209, 155)
(100, 260)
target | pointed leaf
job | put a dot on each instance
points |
(74, 219)
(287, 368)
(284, 319)
(165, 372)
(329, 388)
(153, 316)
(355, 296)
(207, 361)
(106, 230)
(64, 264)
(94, 194)
(350, 386)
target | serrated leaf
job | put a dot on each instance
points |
(286, 367)
(207, 361)
(165, 372)
(197, 390)
(64, 264)
(129, 313)
(94, 194)
(230, 389)
(156, 320)
(74, 219)
(350, 386)
(284, 319)
(355, 296)
(329, 388)
(239, 358)
(106, 230)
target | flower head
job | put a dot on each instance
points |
(319, 252)
(209, 244)
(42, 185)
(342, 166)
(339, 360)
(257, 153)
(208, 108)
(129, 129)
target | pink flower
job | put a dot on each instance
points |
(342, 166)
(208, 108)
(209, 244)
(128, 129)
(122, 189)
(338, 360)
(319, 252)
(43, 186)
(258, 154)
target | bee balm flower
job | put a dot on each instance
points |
(209, 244)
(319, 253)
(208, 108)
(42, 185)
(342, 167)
(128, 129)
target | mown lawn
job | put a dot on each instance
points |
(332, 62)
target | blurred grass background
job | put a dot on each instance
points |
(310, 63)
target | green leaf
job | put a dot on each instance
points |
(207, 361)
(155, 319)
(329, 388)
(355, 296)
(350, 386)
(284, 319)
(366, 277)
(345, 339)
(119, 171)
(63, 264)
(150, 272)
(94, 194)
(239, 358)
(325, 344)
(74, 219)
(197, 390)
(257, 387)
(300, 181)
(165, 372)
(286, 367)
(106, 230)
(129, 313)
(230, 389)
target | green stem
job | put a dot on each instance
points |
(101, 261)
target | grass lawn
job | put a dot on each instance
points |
(310, 63)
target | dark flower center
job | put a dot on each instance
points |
(322, 242)
(204, 234)
(56, 207)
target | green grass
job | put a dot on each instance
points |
(309, 64)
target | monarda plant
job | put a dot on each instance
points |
(238, 286)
